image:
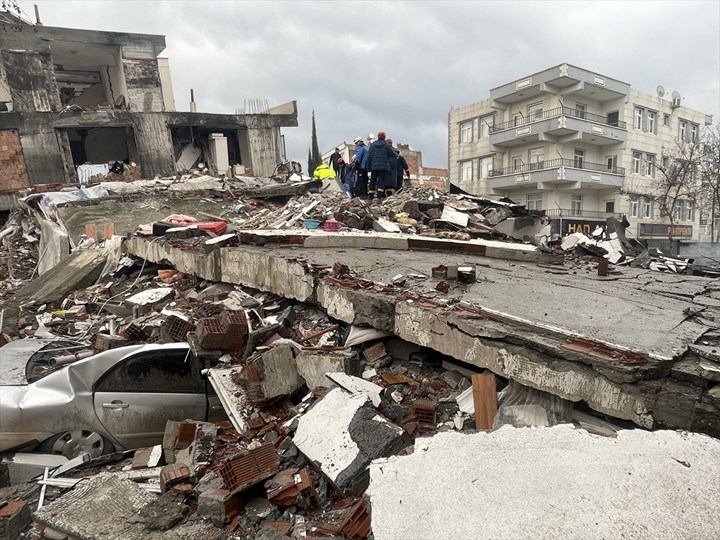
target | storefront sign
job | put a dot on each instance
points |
(661, 230)
(567, 226)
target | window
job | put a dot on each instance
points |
(683, 210)
(645, 207)
(666, 120)
(694, 132)
(612, 163)
(609, 207)
(579, 158)
(535, 111)
(517, 163)
(466, 171)
(486, 124)
(486, 165)
(155, 372)
(634, 205)
(580, 110)
(536, 157)
(643, 163)
(466, 132)
(683, 130)
(576, 205)
(613, 118)
(519, 119)
(638, 117)
(651, 121)
(649, 165)
(534, 201)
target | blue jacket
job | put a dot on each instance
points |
(361, 156)
(380, 155)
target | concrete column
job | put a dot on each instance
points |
(154, 145)
(264, 155)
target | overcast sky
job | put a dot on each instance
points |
(400, 66)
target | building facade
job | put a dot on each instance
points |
(577, 144)
(71, 97)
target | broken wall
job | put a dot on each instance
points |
(264, 153)
(144, 88)
(13, 173)
(154, 145)
(31, 80)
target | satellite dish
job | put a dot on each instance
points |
(676, 95)
(660, 90)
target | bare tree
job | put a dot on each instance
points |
(677, 183)
(710, 178)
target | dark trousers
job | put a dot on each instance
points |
(361, 186)
(379, 180)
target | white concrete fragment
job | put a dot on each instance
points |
(356, 385)
(453, 216)
(150, 296)
(383, 225)
(465, 401)
(555, 482)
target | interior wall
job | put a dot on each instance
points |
(101, 145)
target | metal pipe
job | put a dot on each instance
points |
(64, 359)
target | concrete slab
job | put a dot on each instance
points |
(342, 434)
(549, 483)
(530, 315)
(312, 366)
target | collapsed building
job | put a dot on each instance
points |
(73, 101)
(355, 347)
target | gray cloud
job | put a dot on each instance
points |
(401, 66)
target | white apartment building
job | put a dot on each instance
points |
(577, 144)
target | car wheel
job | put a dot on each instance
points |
(73, 443)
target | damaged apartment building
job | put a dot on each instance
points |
(578, 145)
(72, 97)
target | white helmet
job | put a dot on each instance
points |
(371, 136)
(357, 139)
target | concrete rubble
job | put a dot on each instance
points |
(428, 324)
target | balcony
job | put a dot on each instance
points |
(562, 124)
(580, 213)
(557, 173)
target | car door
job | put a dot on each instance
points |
(135, 398)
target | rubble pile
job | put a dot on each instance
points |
(19, 240)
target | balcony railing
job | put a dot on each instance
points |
(575, 213)
(554, 113)
(555, 163)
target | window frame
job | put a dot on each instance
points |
(462, 170)
(463, 131)
(486, 125)
(534, 200)
(576, 204)
(650, 121)
(638, 117)
(646, 208)
(634, 208)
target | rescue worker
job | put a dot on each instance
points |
(379, 159)
(360, 165)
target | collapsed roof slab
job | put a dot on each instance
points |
(554, 482)
(615, 345)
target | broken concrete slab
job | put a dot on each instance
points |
(313, 365)
(79, 270)
(342, 434)
(356, 385)
(639, 485)
(150, 299)
(104, 507)
(270, 375)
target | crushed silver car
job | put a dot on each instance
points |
(56, 398)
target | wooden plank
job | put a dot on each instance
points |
(484, 399)
(108, 230)
(91, 231)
